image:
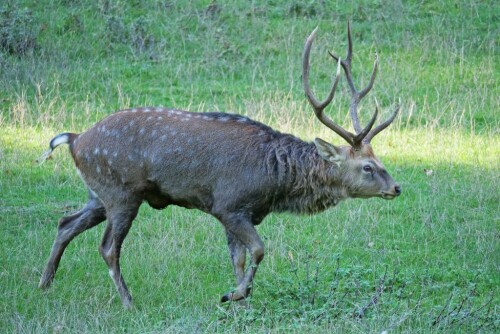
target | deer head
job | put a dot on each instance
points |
(367, 175)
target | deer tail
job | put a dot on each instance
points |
(62, 138)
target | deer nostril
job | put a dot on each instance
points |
(397, 190)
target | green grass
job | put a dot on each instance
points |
(430, 258)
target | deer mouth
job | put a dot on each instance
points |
(389, 196)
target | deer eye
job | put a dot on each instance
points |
(367, 168)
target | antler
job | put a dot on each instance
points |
(320, 106)
(362, 135)
(356, 95)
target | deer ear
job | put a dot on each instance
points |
(329, 152)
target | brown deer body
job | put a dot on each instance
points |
(236, 169)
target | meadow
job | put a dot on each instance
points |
(426, 262)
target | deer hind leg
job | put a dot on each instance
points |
(69, 227)
(244, 231)
(119, 222)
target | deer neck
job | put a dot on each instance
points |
(307, 183)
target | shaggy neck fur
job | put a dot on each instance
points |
(307, 183)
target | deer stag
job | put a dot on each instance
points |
(236, 169)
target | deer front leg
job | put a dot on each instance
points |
(237, 251)
(243, 235)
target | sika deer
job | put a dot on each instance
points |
(229, 166)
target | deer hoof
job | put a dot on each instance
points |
(236, 295)
(231, 297)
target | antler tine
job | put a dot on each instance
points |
(363, 134)
(355, 95)
(320, 106)
(372, 79)
(382, 126)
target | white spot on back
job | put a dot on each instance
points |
(96, 151)
(105, 151)
(141, 131)
(146, 110)
(98, 169)
(134, 110)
